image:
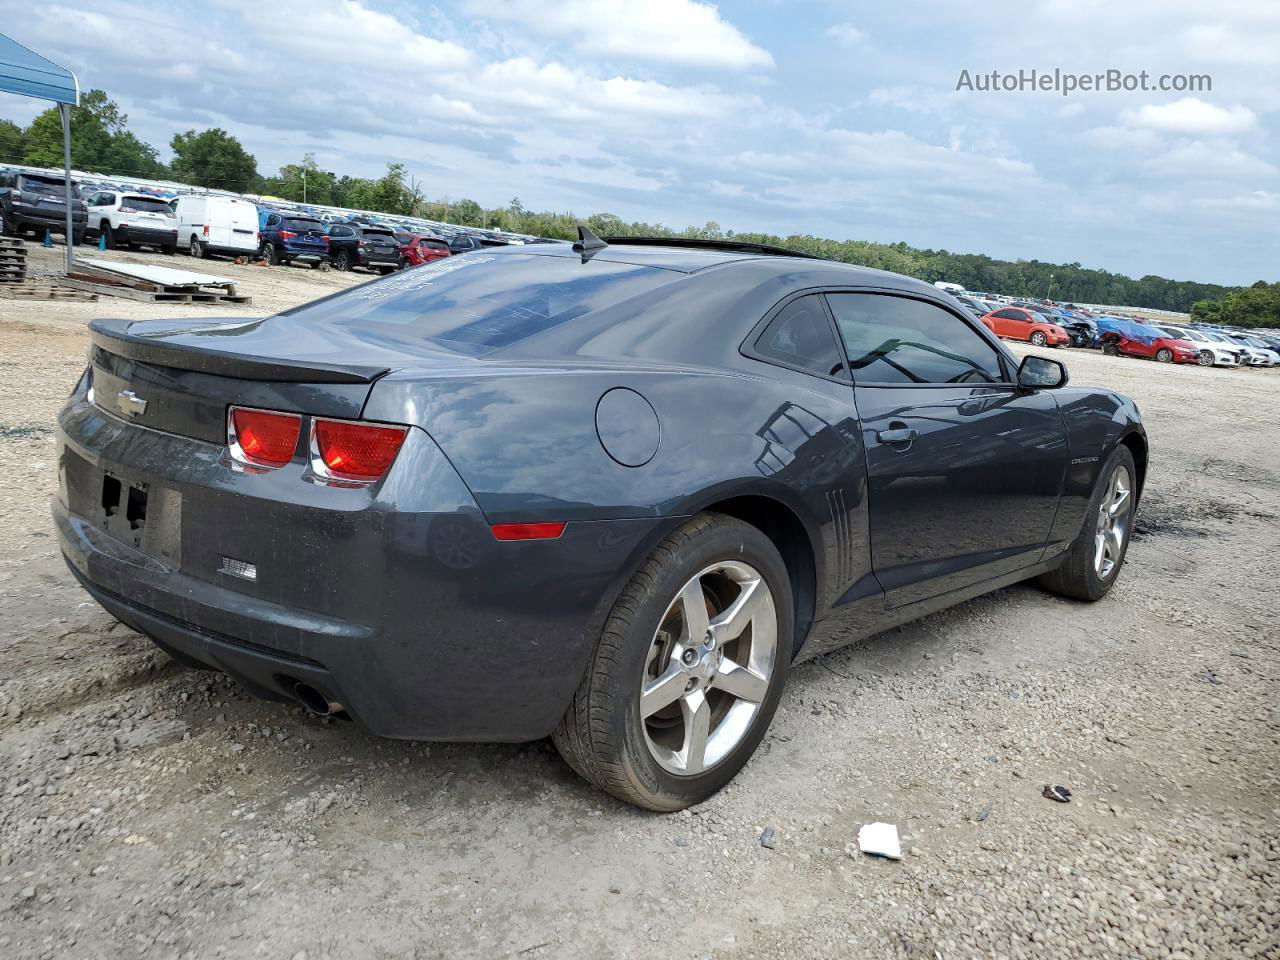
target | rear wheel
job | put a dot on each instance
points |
(268, 253)
(1164, 355)
(342, 261)
(1094, 560)
(104, 230)
(1111, 350)
(169, 249)
(688, 671)
(1038, 339)
(196, 248)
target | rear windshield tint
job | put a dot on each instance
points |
(150, 204)
(32, 182)
(304, 225)
(478, 304)
(379, 234)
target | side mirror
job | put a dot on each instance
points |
(1041, 373)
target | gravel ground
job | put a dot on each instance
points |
(149, 810)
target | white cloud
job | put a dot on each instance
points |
(846, 34)
(1123, 138)
(1191, 116)
(1070, 110)
(1200, 159)
(675, 31)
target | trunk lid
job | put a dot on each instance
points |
(179, 376)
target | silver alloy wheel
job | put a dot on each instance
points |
(1164, 354)
(708, 668)
(1039, 339)
(1113, 522)
(1205, 359)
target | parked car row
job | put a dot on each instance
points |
(129, 215)
(1047, 324)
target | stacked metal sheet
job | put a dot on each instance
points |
(13, 260)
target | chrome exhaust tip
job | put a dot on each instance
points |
(315, 701)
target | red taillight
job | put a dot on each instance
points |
(325, 239)
(527, 531)
(362, 452)
(287, 235)
(206, 229)
(261, 438)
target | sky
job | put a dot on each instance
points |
(826, 117)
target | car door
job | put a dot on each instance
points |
(1006, 322)
(964, 467)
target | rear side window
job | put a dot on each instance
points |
(800, 336)
(476, 305)
(897, 340)
(1010, 315)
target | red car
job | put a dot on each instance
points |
(1018, 323)
(1139, 340)
(420, 248)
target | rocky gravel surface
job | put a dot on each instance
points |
(147, 810)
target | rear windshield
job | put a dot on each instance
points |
(379, 234)
(31, 181)
(150, 204)
(478, 304)
(302, 225)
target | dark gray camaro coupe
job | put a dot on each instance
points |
(608, 493)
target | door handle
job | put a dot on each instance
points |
(900, 435)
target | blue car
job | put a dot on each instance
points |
(289, 237)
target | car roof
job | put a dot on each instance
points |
(691, 259)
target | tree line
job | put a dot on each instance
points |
(102, 142)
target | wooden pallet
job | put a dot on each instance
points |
(45, 290)
(164, 295)
(113, 283)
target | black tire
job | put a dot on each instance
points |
(77, 237)
(1164, 355)
(1111, 350)
(197, 249)
(602, 735)
(342, 261)
(1205, 359)
(385, 270)
(269, 254)
(169, 249)
(1079, 577)
(104, 230)
(1038, 339)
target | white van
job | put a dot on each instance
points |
(210, 224)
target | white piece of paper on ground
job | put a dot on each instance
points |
(880, 840)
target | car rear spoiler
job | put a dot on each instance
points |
(112, 335)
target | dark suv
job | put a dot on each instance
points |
(31, 201)
(362, 245)
(289, 237)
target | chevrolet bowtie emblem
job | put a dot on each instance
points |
(130, 403)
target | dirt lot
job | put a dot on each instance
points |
(149, 810)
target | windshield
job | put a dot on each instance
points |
(479, 304)
(1177, 334)
(38, 184)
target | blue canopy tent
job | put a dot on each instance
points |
(28, 74)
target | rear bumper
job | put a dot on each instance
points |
(395, 602)
(34, 216)
(131, 234)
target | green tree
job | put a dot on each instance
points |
(100, 140)
(213, 158)
(12, 141)
(303, 182)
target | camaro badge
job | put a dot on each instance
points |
(130, 403)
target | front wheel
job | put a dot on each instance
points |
(1164, 355)
(1205, 359)
(1038, 339)
(1094, 559)
(688, 671)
